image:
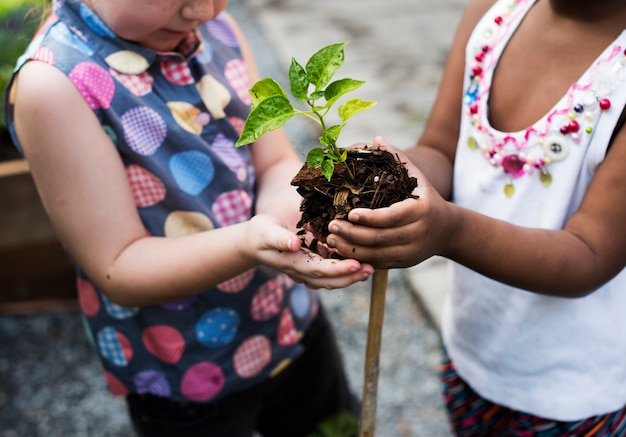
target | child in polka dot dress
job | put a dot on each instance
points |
(190, 277)
(522, 185)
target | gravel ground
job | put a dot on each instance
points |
(51, 385)
(409, 399)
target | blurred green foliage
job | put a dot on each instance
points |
(8, 6)
(342, 425)
(19, 20)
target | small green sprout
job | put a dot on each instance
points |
(271, 108)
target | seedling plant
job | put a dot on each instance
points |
(311, 85)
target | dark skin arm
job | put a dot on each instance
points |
(570, 262)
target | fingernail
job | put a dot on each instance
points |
(334, 229)
(331, 242)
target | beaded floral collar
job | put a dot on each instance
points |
(548, 141)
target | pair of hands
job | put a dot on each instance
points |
(401, 235)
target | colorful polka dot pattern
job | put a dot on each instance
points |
(217, 327)
(222, 31)
(144, 130)
(127, 62)
(287, 334)
(138, 84)
(179, 304)
(146, 187)
(152, 382)
(94, 83)
(187, 116)
(224, 148)
(232, 207)
(118, 312)
(237, 76)
(177, 72)
(174, 119)
(267, 301)
(44, 55)
(252, 356)
(87, 297)
(181, 223)
(301, 301)
(193, 171)
(237, 283)
(114, 346)
(202, 382)
(164, 342)
(116, 386)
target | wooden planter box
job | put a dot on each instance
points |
(35, 273)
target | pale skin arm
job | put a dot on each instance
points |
(571, 262)
(84, 189)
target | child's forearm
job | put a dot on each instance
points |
(436, 167)
(153, 270)
(552, 262)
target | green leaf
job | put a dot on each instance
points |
(264, 89)
(324, 64)
(330, 135)
(270, 114)
(316, 96)
(299, 81)
(315, 157)
(328, 167)
(339, 88)
(343, 156)
(354, 106)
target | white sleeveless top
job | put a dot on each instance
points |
(558, 358)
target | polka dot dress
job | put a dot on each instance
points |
(174, 118)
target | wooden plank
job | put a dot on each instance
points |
(13, 167)
(37, 306)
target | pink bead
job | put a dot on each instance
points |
(573, 126)
(498, 20)
(480, 56)
(513, 165)
(473, 108)
(477, 70)
(564, 129)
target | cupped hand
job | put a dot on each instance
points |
(271, 243)
(401, 235)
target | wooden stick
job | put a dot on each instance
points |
(372, 353)
(13, 168)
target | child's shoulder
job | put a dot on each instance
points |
(36, 79)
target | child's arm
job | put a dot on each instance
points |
(572, 262)
(84, 188)
(589, 251)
